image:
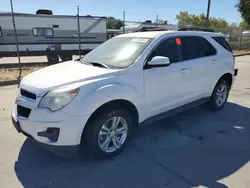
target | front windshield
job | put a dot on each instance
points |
(117, 52)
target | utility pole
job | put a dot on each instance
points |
(208, 12)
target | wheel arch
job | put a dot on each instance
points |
(118, 103)
(228, 77)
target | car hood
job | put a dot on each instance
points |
(62, 74)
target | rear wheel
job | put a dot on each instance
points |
(109, 132)
(220, 95)
(66, 57)
(53, 58)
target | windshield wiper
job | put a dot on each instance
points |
(78, 59)
(96, 64)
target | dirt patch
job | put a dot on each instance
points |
(238, 52)
(12, 74)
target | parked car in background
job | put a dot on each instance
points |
(139, 27)
(246, 34)
(130, 80)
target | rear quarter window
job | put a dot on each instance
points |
(223, 43)
(197, 47)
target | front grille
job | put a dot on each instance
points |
(27, 94)
(23, 111)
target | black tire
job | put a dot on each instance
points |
(213, 100)
(66, 57)
(94, 127)
(52, 58)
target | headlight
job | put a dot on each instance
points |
(57, 99)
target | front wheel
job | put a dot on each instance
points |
(220, 95)
(109, 132)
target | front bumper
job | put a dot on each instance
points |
(56, 131)
(66, 150)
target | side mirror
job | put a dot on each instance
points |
(159, 61)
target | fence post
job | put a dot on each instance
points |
(248, 48)
(123, 22)
(156, 23)
(241, 38)
(16, 38)
(230, 35)
(78, 30)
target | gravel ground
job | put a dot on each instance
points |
(12, 74)
(28, 59)
(197, 148)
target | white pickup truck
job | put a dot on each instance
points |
(130, 80)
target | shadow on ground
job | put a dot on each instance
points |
(197, 147)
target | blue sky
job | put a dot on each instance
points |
(136, 10)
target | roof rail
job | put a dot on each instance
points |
(195, 29)
(144, 29)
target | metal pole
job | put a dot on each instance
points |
(78, 28)
(208, 12)
(230, 35)
(156, 24)
(16, 38)
(123, 22)
(241, 38)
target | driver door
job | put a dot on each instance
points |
(166, 87)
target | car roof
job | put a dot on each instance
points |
(155, 34)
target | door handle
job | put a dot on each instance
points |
(183, 70)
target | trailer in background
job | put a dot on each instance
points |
(51, 35)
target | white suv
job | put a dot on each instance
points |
(129, 80)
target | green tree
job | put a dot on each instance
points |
(113, 23)
(159, 21)
(244, 25)
(244, 8)
(185, 19)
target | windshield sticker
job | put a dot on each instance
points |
(140, 40)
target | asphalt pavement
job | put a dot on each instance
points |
(197, 148)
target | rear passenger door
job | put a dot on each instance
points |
(200, 55)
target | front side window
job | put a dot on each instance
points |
(170, 48)
(196, 47)
(1, 33)
(119, 52)
(43, 32)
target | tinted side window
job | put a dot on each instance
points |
(168, 48)
(223, 42)
(1, 33)
(197, 47)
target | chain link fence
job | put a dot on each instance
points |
(239, 39)
(29, 42)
